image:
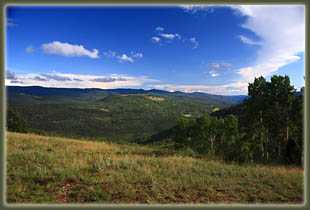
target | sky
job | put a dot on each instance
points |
(189, 48)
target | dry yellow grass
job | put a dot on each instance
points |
(61, 170)
(154, 98)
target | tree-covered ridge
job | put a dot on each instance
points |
(270, 129)
(113, 114)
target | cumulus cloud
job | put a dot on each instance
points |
(155, 39)
(159, 28)
(29, 49)
(281, 30)
(195, 42)
(282, 33)
(68, 50)
(124, 58)
(77, 81)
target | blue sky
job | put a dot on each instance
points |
(212, 49)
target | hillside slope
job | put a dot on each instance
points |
(117, 114)
(50, 170)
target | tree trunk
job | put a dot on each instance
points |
(267, 145)
(262, 133)
(212, 146)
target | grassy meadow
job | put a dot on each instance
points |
(51, 170)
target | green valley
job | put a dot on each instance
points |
(119, 114)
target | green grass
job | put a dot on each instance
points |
(51, 170)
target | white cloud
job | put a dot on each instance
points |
(178, 36)
(246, 40)
(137, 55)
(125, 58)
(194, 8)
(159, 28)
(10, 22)
(168, 36)
(218, 68)
(155, 39)
(213, 73)
(172, 36)
(195, 42)
(281, 30)
(109, 54)
(76, 81)
(69, 50)
(228, 89)
(10, 75)
(282, 33)
(29, 49)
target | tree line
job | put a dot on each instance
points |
(269, 131)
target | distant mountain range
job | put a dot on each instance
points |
(114, 114)
(92, 94)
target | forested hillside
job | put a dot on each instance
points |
(113, 114)
(267, 127)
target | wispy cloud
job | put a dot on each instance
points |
(246, 40)
(282, 33)
(218, 68)
(124, 58)
(55, 77)
(228, 89)
(195, 8)
(155, 39)
(38, 78)
(178, 36)
(10, 22)
(77, 81)
(159, 28)
(136, 55)
(109, 54)
(281, 30)
(168, 36)
(195, 42)
(68, 50)
(109, 79)
(29, 49)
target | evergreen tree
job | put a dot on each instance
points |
(15, 121)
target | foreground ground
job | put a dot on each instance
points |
(53, 170)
